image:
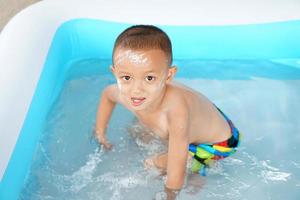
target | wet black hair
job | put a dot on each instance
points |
(145, 37)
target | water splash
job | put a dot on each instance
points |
(270, 173)
(82, 177)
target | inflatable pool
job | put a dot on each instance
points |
(40, 44)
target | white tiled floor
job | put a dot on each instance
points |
(9, 8)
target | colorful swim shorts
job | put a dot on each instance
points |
(204, 154)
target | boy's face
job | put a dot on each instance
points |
(142, 76)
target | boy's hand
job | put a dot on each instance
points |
(171, 194)
(107, 145)
(102, 140)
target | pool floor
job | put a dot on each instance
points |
(261, 97)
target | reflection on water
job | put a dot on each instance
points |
(69, 164)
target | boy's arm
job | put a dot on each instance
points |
(109, 98)
(178, 147)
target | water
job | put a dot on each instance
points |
(264, 104)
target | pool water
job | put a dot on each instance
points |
(260, 96)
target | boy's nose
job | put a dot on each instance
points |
(137, 88)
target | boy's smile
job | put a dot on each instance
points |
(137, 101)
(142, 76)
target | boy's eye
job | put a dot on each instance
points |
(126, 78)
(150, 78)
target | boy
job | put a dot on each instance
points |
(142, 59)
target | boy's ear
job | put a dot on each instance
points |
(171, 73)
(112, 69)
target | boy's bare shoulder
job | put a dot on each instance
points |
(176, 100)
(188, 94)
(180, 93)
(112, 92)
(175, 93)
(184, 99)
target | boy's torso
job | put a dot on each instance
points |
(206, 124)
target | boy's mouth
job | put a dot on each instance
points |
(136, 101)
